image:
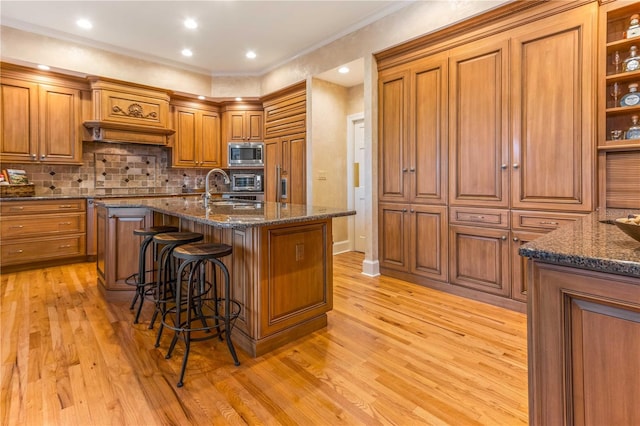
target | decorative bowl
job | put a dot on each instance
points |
(630, 226)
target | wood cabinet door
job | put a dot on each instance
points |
(520, 265)
(60, 125)
(235, 126)
(18, 121)
(393, 236)
(295, 152)
(210, 148)
(427, 155)
(479, 123)
(553, 98)
(254, 126)
(271, 163)
(184, 153)
(393, 104)
(429, 238)
(479, 259)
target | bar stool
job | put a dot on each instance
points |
(198, 307)
(139, 279)
(164, 291)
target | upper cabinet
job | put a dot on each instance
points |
(243, 123)
(41, 118)
(621, 75)
(196, 142)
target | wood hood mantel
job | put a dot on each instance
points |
(124, 112)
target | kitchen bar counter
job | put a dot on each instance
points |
(230, 213)
(583, 317)
(281, 266)
(593, 243)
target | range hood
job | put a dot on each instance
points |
(128, 113)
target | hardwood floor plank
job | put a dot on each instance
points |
(393, 353)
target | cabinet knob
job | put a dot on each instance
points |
(42, 156)
(516, 239)
(404, 170)
(516, 165)
(413, 169)
(503, 238)
(504, 167)
(412, 211)
(404, 210)
(33, 156)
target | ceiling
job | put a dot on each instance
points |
(277, 31)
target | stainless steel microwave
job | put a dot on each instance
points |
(251, 182)
(246, 154)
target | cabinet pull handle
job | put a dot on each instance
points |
(548, 222)
(64, 223)
(65, 206)
(476, 217)
(65, 246)
(516, 165)
(504, 167)
(17, 227)
(17, 208)
(503, 238)
(17, 251)
(516, 239)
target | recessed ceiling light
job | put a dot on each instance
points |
(343, 70)
(201, 97)
(190, 23)
(251, 54)
(238, 99)
(84, 23)
(44, 67)
(187, 52)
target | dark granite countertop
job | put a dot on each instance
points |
(591, 243)
(238, 214)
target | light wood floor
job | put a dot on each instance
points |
(393, 353)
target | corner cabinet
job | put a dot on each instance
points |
(41, 118)
(196, 142)
(490, 123)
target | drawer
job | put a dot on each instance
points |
(42, 249)
(479, 217)
(12, 227)
(545, 221)
(8, 208)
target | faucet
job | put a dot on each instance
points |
(207, 193)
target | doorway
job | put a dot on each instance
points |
(356, 181)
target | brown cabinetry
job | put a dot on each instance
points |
(41, 119)
(243, 125)
(482, 112)
(584, 347)
(42, 231)
(117, 247)
(285, 157)
(196, 142)
(414, 239)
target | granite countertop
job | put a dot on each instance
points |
(96, 196)
(591, 243)
(230, 214)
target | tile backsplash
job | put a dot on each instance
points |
(113, 169)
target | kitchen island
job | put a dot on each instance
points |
(281, 266)
(584, 324)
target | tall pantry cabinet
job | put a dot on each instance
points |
(502, 145)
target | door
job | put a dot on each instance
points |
(393, 90)
(393, 236)
(271, 168)
(210, 149)
(553, 99)
(480, 259)
(427, 155)
(18, 121)
(359, 199)
(428, 253)
(295, 149)
(60, 119)
(479, 124)
(184, 151)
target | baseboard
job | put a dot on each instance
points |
(371, 268)
(341, 247)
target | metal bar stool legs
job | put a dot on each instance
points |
(198, 307)
(139, 279)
